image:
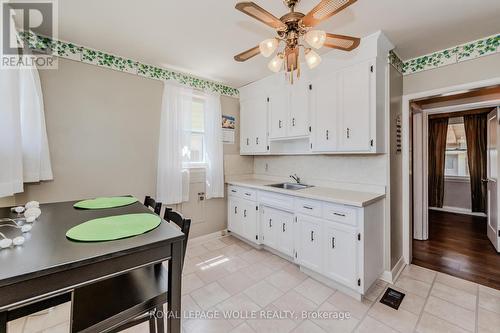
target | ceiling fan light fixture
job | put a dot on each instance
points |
(312, 58)
(315, 38)
(268, 46)
(276, 64)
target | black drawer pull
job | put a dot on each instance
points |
(339, 214)
(235, 209)
(283, 227)
(312, 235)
(234, 191)
(307, 207)
(244, 213)
(248, 194)
(270, 223)
(333, 242)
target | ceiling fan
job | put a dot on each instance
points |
(291, 29)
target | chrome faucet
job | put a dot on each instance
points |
(296, 178)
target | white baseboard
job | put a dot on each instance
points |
(457, 210)
(207, 237)
(392, 275)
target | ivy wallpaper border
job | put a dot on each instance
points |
(67, 50)
(468, 51)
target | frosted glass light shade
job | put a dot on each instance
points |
(315, 38)
(276, 63)
(268, 47)
(312, 58)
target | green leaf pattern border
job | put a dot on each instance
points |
(468, 51)
(66, 50)
(83, 54)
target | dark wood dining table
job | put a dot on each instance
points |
(49, 265)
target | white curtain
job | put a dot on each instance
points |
(24, 150)
(175, 118)
(214, 156)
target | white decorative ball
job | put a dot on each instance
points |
(34, 211)
(26, 228)
(5, 243)
(32, 204)
(30, 219)
(18, 240)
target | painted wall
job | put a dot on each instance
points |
(103, 134)
(463, 72)
(396, 167)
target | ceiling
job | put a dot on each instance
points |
(201, 37)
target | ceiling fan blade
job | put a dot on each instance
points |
(341, 42)
(324, 10)
(244, 56)
(259, 13)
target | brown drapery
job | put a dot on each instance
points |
(476, 136)
(438, 129)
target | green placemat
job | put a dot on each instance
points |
(105, 202)
(114, 227)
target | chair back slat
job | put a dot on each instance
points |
(183, 223)
(151, 203)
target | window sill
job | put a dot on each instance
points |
(457, 179)
(197, 165)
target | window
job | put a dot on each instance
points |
(193, 151)
(456, 164)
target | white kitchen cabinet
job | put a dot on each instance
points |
(242, 218)
(235, 223)
(357, 108)
(277, 230)
(278, 112)
(324, 105)
(309, 251)
(341, 253)
(298, 119)
(253, 128)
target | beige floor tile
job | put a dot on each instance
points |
(295, 302)
(419, 273)
(141, 328)
(450, 312)
(457, 283)
(334, 324)
(254, 256)
(209, 295)
(257, 271)
(370, 325)
(455, 296)
(48, 318)
(191, 265)
(61, 328)
(191, 282)
(376, 290)
(195, 250)
(214, 244)
(243, 328)
(236, 282)
(235, 306)
(347, 303)
(488, 322)
(234, 263)
(488, 290)
(489, 300)
(209, 274)
(232, 250)
(189, 305)
(284, 280)
(431, 324)
(400, 320)
(275, 262)
(210, 257)
(308, 326)
(414, 286)
(229, 240)
(270, 324)
(263, 293)
(314, 290)
(207, 326)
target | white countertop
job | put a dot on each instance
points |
(335, 195)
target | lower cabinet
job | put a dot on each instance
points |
(340, 253)
(277, 230)
(309, 251)
(242, 218)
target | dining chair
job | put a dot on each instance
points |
(151, 203)
(146, 293)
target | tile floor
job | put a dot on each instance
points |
(226, 274)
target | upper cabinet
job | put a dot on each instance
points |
(340, 107)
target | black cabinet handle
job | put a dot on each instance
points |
(339, 214)
(248, 141)
(248, 194)
(244, 213)
(293, 121)
(327, 136)
(235, 209)
(307, 207)
(257, 141)
(234, 191)
(283, 227)
(312, 235)
(270, 223)
(279, 123)
(333, 242)
(348, 133)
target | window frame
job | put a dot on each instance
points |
(197, 164)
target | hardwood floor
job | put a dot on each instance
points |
(458, 245)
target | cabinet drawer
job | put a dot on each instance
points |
(340, 213)
(308, 207)
(276, 200)
(242, 192)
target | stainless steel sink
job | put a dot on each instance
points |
(290, 186)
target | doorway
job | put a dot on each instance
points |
(454, 196)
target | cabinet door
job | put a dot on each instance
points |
(324, 104)
(285, 234)
(341, 254)
(278, 112)
(233, 216)
(309, 249)
(259, 125)
(246, 108)
(298, 120)
(269, 225)
(249, 217)
(355, 109)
